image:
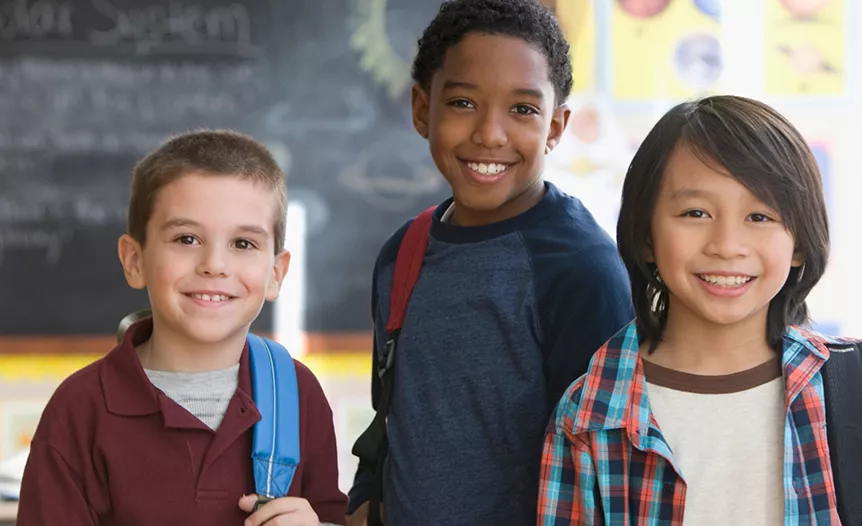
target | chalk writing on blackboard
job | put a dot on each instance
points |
(175, 27)
(390, 178)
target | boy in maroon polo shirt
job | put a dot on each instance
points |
(159, 431)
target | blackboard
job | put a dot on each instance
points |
(89, 86)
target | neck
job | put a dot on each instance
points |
(530, 197)
(168, 351)
(693, 345)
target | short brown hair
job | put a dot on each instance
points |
(219, 152)
(762, 150)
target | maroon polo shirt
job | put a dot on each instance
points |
(111, 449)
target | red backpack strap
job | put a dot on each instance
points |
(411, 254)
(372, 445)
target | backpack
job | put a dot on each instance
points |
(842, 381)
(372, 445)
(275, 444)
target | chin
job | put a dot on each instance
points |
(208, 337)
(211, 332)
(481, 200)
(728, 318)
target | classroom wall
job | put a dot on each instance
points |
(628, 70)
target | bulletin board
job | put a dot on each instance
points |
(804, 47)
(664, 48)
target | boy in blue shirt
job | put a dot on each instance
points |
(519, 284)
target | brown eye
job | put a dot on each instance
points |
(524, 109)
(462, 104)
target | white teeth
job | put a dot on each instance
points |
(487, 168)
(726, 281)
(207, 297)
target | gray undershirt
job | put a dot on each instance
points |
(205, 395)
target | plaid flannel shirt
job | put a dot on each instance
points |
(605, 460)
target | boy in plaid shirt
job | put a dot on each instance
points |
(709, 408)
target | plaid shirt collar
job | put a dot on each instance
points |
(615, 379)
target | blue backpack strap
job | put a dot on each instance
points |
(275, 447)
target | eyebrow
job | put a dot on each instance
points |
(457, 84)
(181, 222)
(684, 193)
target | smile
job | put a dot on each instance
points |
(488, 168)
(725, 281)
(214, 298)
(486, 172)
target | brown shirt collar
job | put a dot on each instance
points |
(719, 384)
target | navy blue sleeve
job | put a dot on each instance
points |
(364, 478)
(583, 294)
(586, 305)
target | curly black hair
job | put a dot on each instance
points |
(528, 20)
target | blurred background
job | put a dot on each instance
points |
(89, 86)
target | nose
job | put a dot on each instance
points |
(490, 130)
(728, 240)
(213, 262)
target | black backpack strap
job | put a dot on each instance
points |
(842, 380)
(372, 445)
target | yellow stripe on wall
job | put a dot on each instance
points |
(46, 368)
(40, 368)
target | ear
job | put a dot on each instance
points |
(559, 121)
(279, 271)
(649, 255)
(798, 260)
(132, 258)
(420, 101)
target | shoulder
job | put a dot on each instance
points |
(570, 240)
(73, 407)
(84, 381)
(571, 224)
(570, 251)
(82, 385)
(389, 250)
(565, 414)
(818, 340)
(595, 400)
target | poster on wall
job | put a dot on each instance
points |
(578, 20)
(804, 47)
(591, 160)
(18, 423)
(665, 49)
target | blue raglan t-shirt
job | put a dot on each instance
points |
(502, 319)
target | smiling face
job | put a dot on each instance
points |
(490, 118)
(722, 253)
(209, 262)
